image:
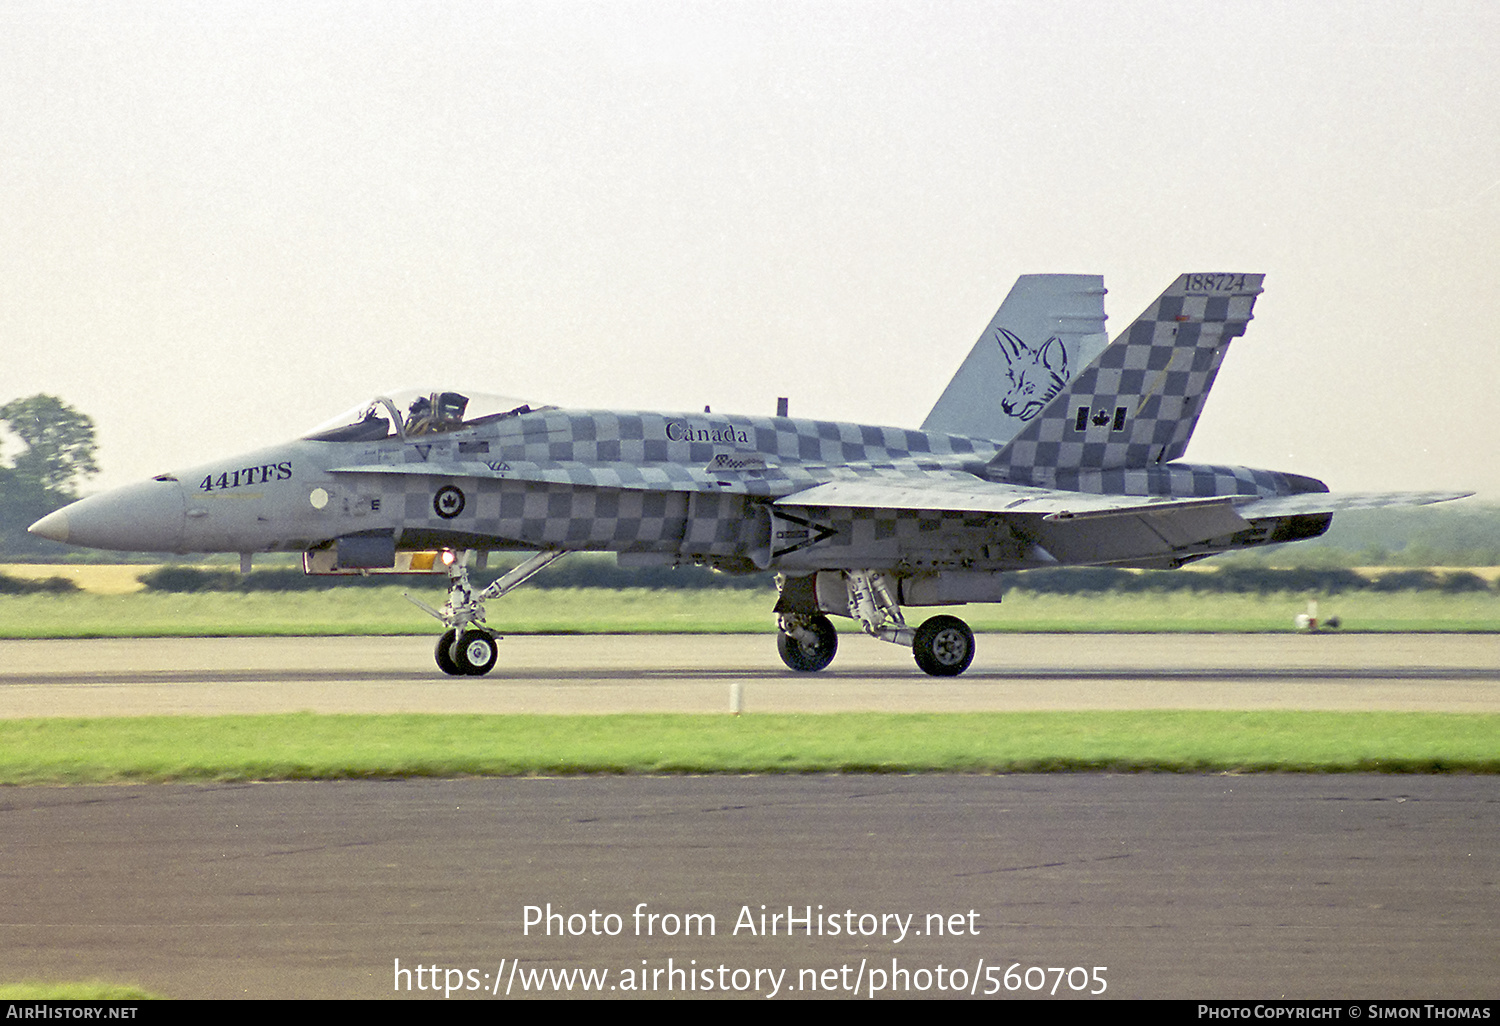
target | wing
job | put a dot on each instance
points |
(1069, 527)
(1338, 502)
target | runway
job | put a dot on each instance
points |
(687, 673)
(1176, 886)
(1155, 886)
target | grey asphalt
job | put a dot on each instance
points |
(683, 673)
(1179, 886)
(1338, 887)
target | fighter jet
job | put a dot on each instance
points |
(1048, 448)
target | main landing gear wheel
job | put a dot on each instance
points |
(944, 646)
(809, 656)
(473, 655)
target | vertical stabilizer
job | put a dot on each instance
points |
(1138, 403)
(1049, 328)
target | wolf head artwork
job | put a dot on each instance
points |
(1035, 375)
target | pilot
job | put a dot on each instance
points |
(442, 411)
(419, 417)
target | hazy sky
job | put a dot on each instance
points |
(221, 223)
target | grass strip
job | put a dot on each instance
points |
(81, 990)
(382, 611)
(306, 746)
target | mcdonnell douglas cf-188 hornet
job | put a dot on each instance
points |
(1049, 447)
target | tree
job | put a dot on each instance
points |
(45, 475)
(59, 443)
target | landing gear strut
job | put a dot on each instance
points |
(468, 648)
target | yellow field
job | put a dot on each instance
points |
(101, 579)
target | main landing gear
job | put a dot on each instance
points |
(943, 645)
(468, 648)
(806, 643)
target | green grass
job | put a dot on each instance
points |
(85, 990)
(1390, 612)
(305, 746)
(561, 611)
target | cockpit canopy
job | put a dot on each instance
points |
(411, 412)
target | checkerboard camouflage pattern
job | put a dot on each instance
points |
(1135, 407)
(743, 493)
(1076, 463)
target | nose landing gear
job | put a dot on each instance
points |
(468, 648)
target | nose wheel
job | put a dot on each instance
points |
(470, 654)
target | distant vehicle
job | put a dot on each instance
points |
(1048, 448)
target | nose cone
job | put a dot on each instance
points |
(145, 517)
(53, 526)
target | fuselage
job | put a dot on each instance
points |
(684, 487)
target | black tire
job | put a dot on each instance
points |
(944, 646)
(476, 653)
(444, 654)
(809, 658)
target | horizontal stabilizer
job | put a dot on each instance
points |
(1117, 536)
